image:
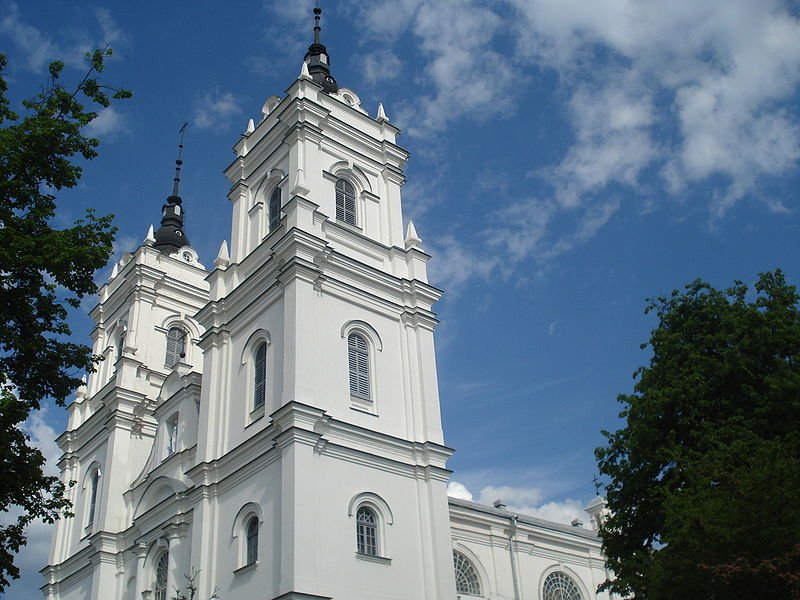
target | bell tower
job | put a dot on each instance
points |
(320, 401)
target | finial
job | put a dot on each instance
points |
(223, 258)
(381, 113)
(114, 271)
(150, 238)
(412, 239)
(597, 485)
(317, 28)
(176, 183)
(251, 127)
(304, 74)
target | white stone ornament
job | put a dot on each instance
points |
(150, 238)
(251, 127)
(381, 113)
(223, 258)
(412, 239)
(304, 74)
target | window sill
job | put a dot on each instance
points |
(246, 568)
(381, 560)
(256, 414)
(363, 405)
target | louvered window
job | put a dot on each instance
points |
(93, 485)
(466, 577)
(176, 346)
(345, 202)
(358, 361)
(260, 376)
(367, 531)
(252, 541)
(160, 587)
(275, 209)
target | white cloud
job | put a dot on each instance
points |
(523, 500)
(215, 110)
(39, 49)
(458, 490)
(108, 123)
(456, 263)
(729, 66)
(380, 66)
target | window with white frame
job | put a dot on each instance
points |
(275, 209)
(176, 345)
(160, 584)
(251, 541)
(172, 435)
(358, 366)
(94, 485)
(260, 376)
(345, 202)
(366, 531)
(560, 586)
(467, 581)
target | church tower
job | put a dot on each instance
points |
(320, 426)
(272, 426)
(120, 425)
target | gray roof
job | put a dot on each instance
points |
(527, 519)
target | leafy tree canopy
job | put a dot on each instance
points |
(44, 270)
(705, 476)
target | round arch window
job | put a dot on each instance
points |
(560, 586)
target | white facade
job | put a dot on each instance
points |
(289, 443)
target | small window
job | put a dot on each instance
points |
(172, 435)
(94, 484)
(252, 540)
(275, 209)
(367, 531)
(559, 586)
(260, 376)
(160, 586)
(176, 346)
(345, 202)
(466, 577)
(358, 363)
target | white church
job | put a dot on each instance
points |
(273, 423)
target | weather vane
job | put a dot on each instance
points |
(597, 485)
(179, 161)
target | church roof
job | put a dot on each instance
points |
(318, 59)
(171, 237)
(521, 518)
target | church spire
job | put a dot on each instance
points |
(318, 60)
(170, 236)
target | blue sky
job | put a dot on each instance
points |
(570, 158)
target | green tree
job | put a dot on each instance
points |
(44, 270)
(705, 475)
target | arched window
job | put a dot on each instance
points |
(176, 346)
(160, 586)
(275, 209)
(367, 531)
(467, 581)
(345, 202)
(260, 376)
(172, 435)
(559, 586)
(358, 364)
(252, 540)
(94, 484)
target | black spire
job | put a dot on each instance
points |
(318, 60)
(170, 236)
